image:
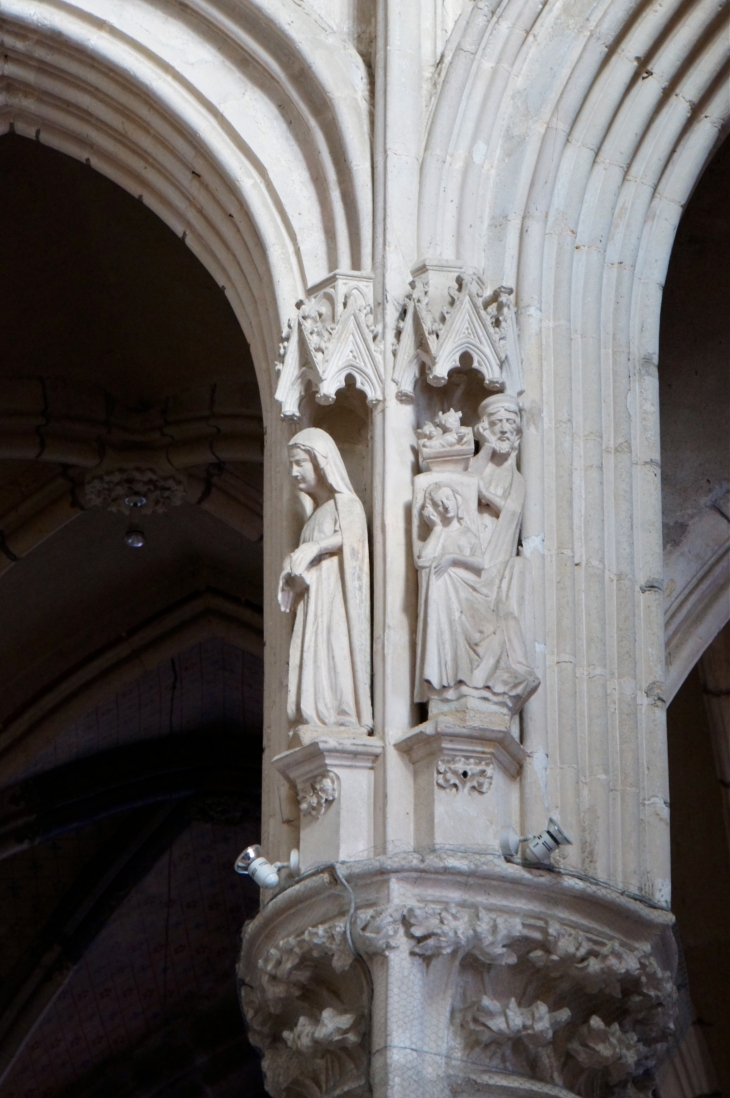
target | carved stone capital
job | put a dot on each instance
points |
(311, 1032)
(331, 336)
(449, 319)
(467, 725)
(523, 979)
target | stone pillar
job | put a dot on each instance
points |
(412, 959)
(715, 674)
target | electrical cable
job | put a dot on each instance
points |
(365, 967)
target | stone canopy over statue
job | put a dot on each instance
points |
(467, 512)
(326, 581)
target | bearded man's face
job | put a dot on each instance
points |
(501, 430)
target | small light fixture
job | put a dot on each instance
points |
(252, 863)
(135, 499)
(540, 848)
(134, 539)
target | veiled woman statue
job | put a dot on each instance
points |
(326, 580)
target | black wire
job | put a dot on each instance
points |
(365, 966)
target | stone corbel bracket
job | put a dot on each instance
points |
(520, 982)
(334, 781)
(465, 769)
(332, 336)
(450, 319)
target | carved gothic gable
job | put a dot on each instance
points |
(331, 337)
(470, 327)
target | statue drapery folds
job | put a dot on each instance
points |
(466, 522)
(326, 581)
(473, 585)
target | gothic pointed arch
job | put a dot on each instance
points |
(246, 151)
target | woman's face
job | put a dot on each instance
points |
(445, 504)
(303, 472)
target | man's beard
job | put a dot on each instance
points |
(501, 445)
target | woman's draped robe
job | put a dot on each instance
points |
(470, 640)
(329, 668)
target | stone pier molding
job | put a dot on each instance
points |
(456, 974)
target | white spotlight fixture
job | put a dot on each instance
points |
(252, 863)
(540, 848)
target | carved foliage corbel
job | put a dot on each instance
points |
(535, 997)
(517, 992)
(471, 326)
(306, 1006)
(331, 337)
(465, 773)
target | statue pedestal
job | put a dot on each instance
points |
(465, 765)
(333, 778)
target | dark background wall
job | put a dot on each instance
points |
(120, 911)
(94, 287)
(694, 379)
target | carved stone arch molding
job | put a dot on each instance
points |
(563, 172)
(245, 150)
(700, 609)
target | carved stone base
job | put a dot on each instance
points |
(465, 762)
(333, 778)
(468, 977)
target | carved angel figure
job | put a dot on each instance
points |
(326, 581)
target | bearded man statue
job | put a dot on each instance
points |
(506, 578)
(501, 485)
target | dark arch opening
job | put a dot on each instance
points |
(95, 288)
(694, 382)
(118, 833)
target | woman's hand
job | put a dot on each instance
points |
(451, 560)
(441, 568)
(292, 583)
(302, 557)
(286, 596)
